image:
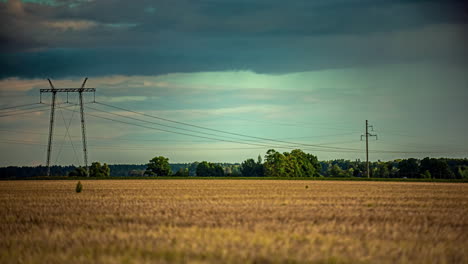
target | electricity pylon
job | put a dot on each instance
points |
(54, 92)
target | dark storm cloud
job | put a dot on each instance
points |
(105, 37)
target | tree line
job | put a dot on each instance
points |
(274, 164)
(300, 164)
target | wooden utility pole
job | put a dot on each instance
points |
(367, 135)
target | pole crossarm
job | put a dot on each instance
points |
(68, 90)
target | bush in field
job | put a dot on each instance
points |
(79, 187)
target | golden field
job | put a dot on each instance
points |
(233, 221)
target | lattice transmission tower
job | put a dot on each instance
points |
(54, 92)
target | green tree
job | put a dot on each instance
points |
(96, 170)
(294, 164)
(159, 166)
(275, 164)
(382, 170)
(463, 171)
(336, 171)
(182, 172)
(78, 172)
(209, 169)
(250, 168)
(438, 168)
(426, 175)
(136, 173)
(409, 168)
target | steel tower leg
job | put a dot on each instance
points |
(51, 128)
(83, 129)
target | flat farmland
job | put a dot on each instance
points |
(233, 221)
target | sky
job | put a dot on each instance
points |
(225, 80)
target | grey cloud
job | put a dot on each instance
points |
(212, 35)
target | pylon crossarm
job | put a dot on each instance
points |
(68, 90)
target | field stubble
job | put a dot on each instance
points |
(233, 221)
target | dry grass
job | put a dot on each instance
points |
(233, 221)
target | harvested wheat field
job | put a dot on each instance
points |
(233, 221)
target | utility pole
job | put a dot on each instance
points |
(54, 92)
(367, 135)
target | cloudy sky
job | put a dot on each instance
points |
(231, 79)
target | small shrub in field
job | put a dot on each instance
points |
(79, 187)
(307, 186)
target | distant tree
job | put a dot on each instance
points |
(409, 168)
(438, 168)
(218, 170)
(426, 175)
(250, 168)
(275, 164)
(236, 171)
(463, 171)
(304, 164)
(96, 170)
(294, 164)
(159, 166)
(203, 169)
(136, 173)
(182, 172)
(336, 171)
(382, 171)
(209, 169)
(315, 164)
(78, 172)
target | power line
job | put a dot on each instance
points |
(17, 106)
(339, 149)
(247, 143)
(144, 140)
(140, 148)
(226, 132)
(347, 150)
(320, 147)
(197, 148)
(175, 132)
(26, 112)
(243, 142)
(275, 123)
(159, 124)
(34, 106)
(44, 107)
